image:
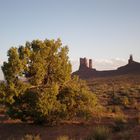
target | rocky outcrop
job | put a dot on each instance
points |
(87, 72)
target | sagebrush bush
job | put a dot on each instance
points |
(115, 109)
(138, 118)
(31, 137)
(63, 138)
(99, 133)
(119, 122)
(125, 135)
(85, 114)
(125, 101)
(98, 112)
(133, 102)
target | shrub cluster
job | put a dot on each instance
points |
(99, 133)
(120, 122)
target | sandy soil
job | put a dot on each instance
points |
(10, 129)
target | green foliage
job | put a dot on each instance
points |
(9, 91)
(40, 61)
(77, 98)
(2, 92)
(39, 87)
(99, 133)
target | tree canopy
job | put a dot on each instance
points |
(42, 62)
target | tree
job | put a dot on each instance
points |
(39, 86)
(42, 62)
(77, 98)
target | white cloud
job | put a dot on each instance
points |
(108, 64)
(102, 64)
(75, 65)
(1, 73)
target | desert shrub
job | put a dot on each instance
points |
(138, 118)
(133, 103)
(120, 121)
(115, 109)
(125, 101)
(85, 114)
(48, 93)
(63, 138)
(31, 137)
(51, 104)
(2, 92)
(120, 100)
(137, 107)
(37, 105)
(77, 99)
(126, 135)
(99, 133)
(98, 112)
(115, 100)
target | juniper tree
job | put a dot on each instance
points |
(39, 86)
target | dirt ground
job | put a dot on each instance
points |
(10, 129)
(14, 129)
(79, 130)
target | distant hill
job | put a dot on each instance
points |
(87, 72)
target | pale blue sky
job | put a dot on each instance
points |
(98, 29)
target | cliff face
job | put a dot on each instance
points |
(87, 72)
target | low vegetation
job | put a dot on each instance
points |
(63, 138)
(99, 133)
(119, 122)
(31, 137)
(138, 118)
(126, 135)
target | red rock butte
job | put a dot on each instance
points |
(86, 70)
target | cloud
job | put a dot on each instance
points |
(108, 64)
(1, 73)
(75, 65)
(102, 64)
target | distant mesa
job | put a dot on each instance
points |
(86, 70)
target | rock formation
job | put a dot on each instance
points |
(84, 63)
(86, 70)
(130, 60)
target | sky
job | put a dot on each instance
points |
(107, 31)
